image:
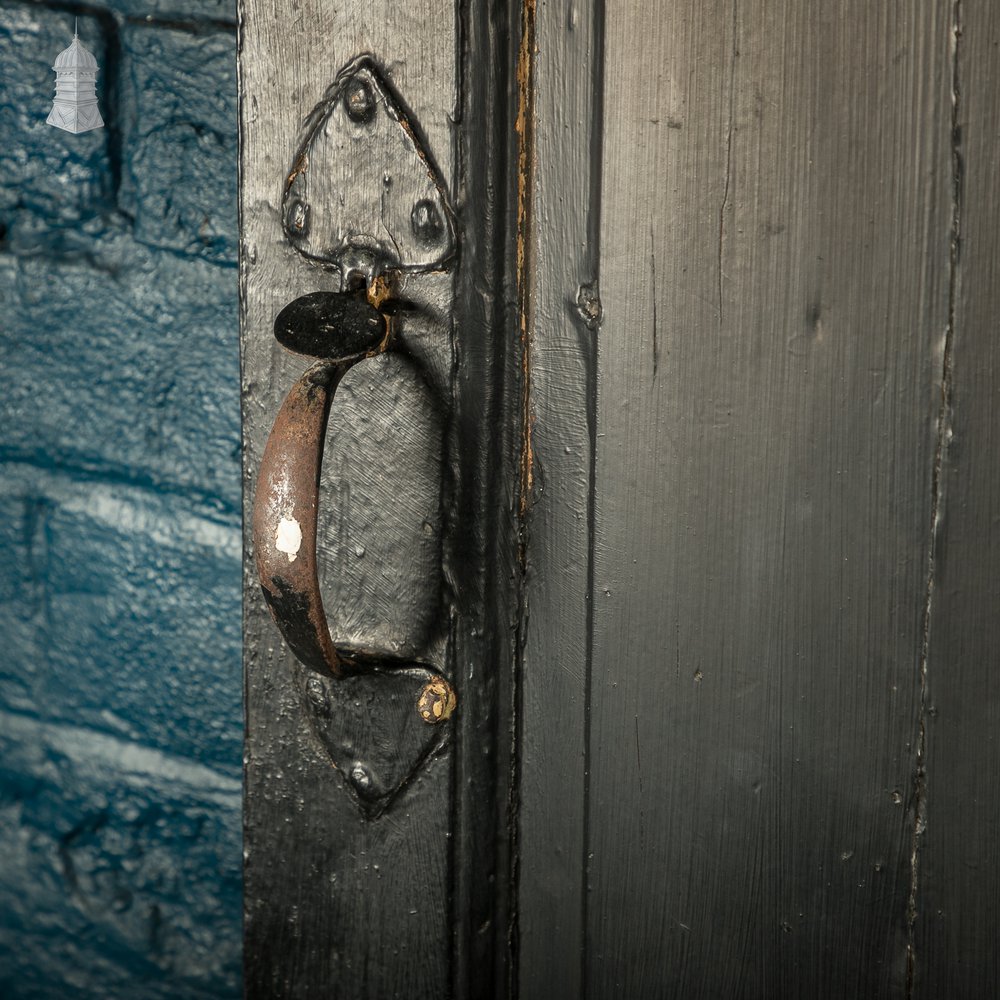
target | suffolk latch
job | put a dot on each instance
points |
(377, 238)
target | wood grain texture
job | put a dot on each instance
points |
(418, 533)
(561, 284)
(764, 467)
(337, 904)
(958, 882)
(751, 597)
(480, 503)
(774, 272)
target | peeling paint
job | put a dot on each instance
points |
(288, 537)
(437, 701)
(523, 128)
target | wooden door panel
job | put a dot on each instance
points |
(764, 497)
(773, 279)
(417, 536)
(338, 903)
(701, 473)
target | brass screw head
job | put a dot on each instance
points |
(437, 701)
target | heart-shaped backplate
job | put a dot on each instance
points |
(370, 725)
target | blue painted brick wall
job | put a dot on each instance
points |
(120, 721)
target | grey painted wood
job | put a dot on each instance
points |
(958, 876)
(765, 442)
(561, 284)
(775, 207)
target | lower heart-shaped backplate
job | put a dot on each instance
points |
(371, 726)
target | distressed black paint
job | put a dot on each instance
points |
(750, 596)
(375, 862)
(329, 325)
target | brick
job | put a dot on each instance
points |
(179, 130)
(120, 682)
(120, 611)
(45, 173)
(121, 874)
(191, 11)
(130, 370)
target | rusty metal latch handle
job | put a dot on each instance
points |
(342, 330)
(361, 138)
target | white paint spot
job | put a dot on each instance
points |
(289, 538)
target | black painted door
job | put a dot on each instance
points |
(678, 470)
(376, 206)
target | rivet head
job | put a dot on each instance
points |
(318, 697)
(298, 218)
(426, 223)
(359, 100)
(437, 701)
